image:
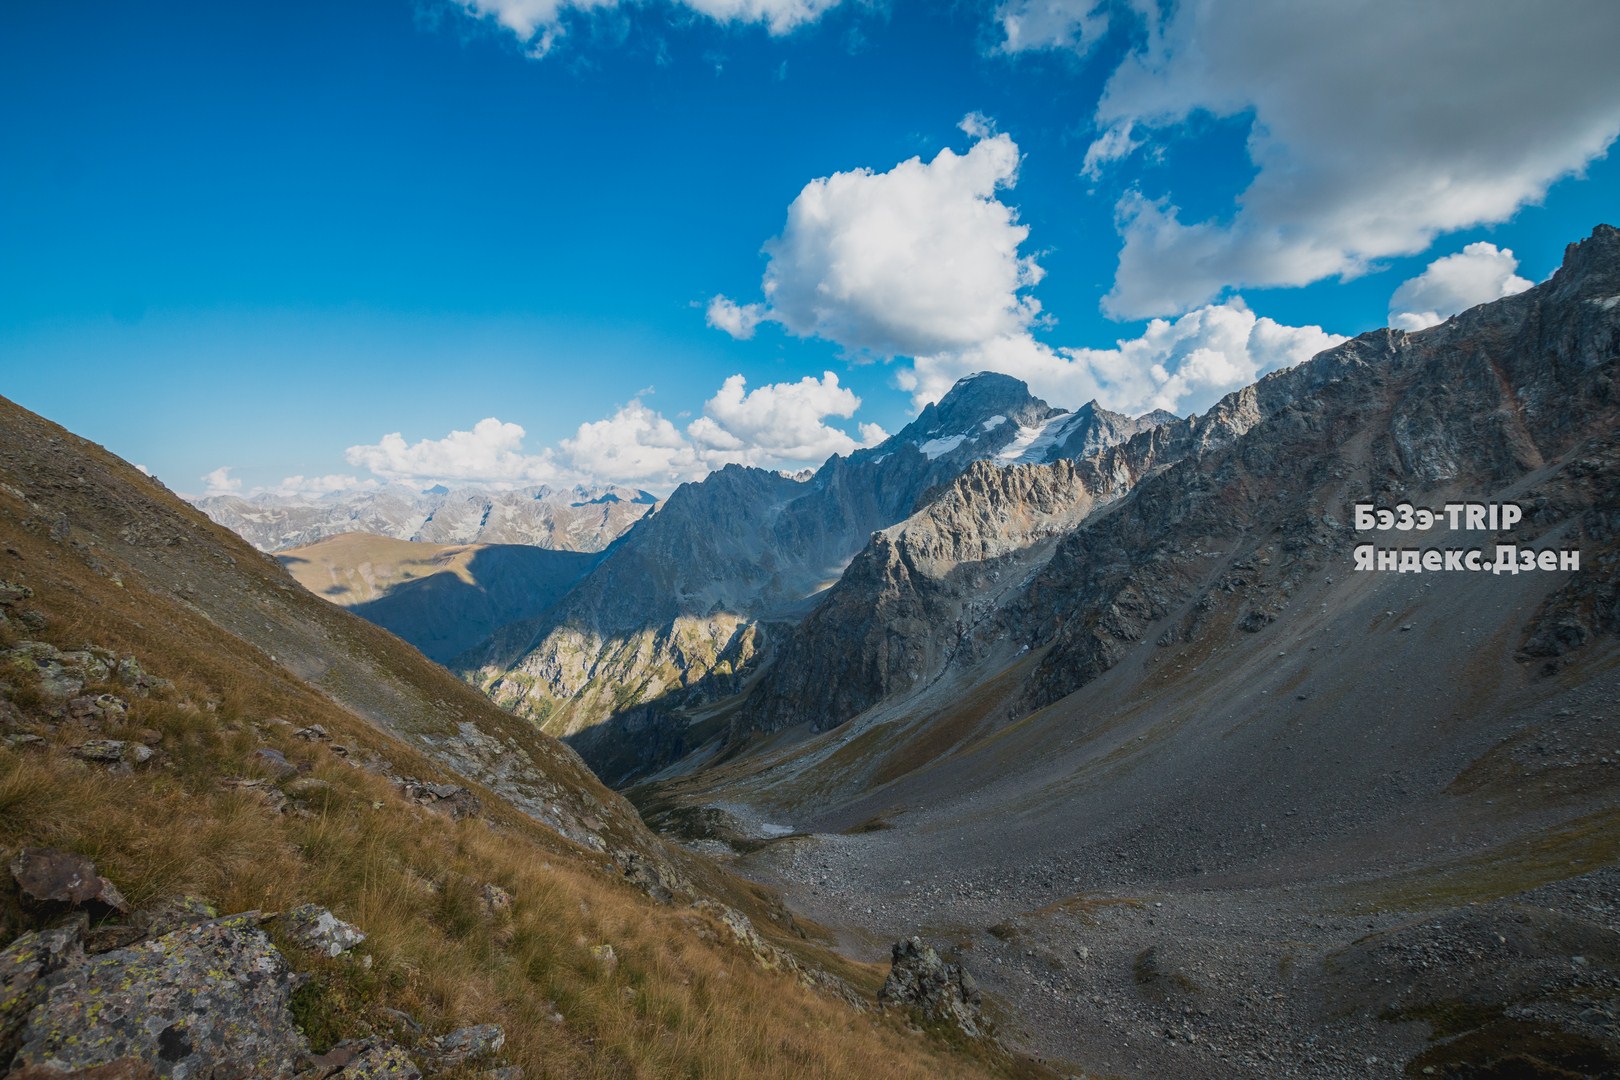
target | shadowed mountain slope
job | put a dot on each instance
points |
(442, 599)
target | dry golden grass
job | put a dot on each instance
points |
(682, 1000)
(674, 1005)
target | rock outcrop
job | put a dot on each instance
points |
(941, 991)
(206, 1000)
(51, 881)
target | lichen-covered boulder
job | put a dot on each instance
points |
(319, 930)
(205, 1001)
(24, 966)
(99, 709)
(942, 991)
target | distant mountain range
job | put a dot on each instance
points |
(573, 519)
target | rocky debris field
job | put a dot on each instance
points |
(1274, 982)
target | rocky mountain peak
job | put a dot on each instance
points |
(977, 400)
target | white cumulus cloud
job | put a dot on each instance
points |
(636, 445)
(774, 426)
(780, 424)
(539, 24)
(738, 320)
(491, 453)
(1375, 126)
(1183, 365)
(221, 482)
(921, 258)
(922, 261)
(1478, 274)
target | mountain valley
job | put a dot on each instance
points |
(1122, 722)
(1193, 793)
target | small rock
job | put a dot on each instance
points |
(468, 1043)
(497, 901)
(386, 1061)
(605, 956)
(10, 593)
(363, 1059)
(101, 709)
(50, 879)
(459, 802)
(318, 929)
(403, 1018)
(307, 787)
(113, 752)
(313, 733)
(274, 762)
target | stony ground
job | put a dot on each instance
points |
(1449, 919)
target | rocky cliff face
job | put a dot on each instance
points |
(926, 592)
(1075, 563)
(1494, 400)
(576, 519)
(674, 619)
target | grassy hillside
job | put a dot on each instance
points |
(116, 563)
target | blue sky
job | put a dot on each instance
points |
(267, 236)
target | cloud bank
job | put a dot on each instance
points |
(1374, 127)
(1183, 365)
(775, 426)
(924, 262)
